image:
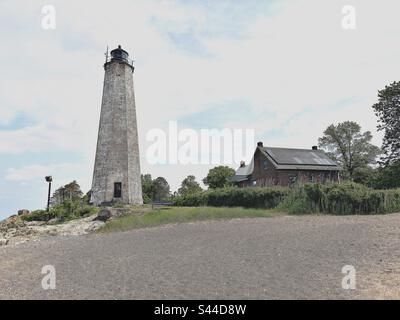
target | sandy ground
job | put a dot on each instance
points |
(285, 257)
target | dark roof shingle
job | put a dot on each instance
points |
(286, 158)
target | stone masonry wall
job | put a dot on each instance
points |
(117, 155)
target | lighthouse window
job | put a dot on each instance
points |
(117, 190)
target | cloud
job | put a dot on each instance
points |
(37, 172)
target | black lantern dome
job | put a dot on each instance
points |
(119, 54)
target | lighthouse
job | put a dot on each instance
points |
(116, 176)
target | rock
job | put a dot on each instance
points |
(52, 232)
(53, 221)
(14, 230)
(94, 226)
(35, 223)
(104, 215)
(23, 212)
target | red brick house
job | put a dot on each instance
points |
(285, 167)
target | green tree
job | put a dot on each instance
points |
(147, 188)
(157, 189)
(161, 189)
(70, 192)
(86, 198)
(366, 176)
(189, 186)
(388, 111)
(387, 177)
(219, 177)
(346, 144)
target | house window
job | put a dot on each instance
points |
(292, 179)
(254, 183)
(117, 190)
(265, 164)
(311, 178)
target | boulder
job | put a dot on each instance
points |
(104, 215)
(23, 212)
(3, 242)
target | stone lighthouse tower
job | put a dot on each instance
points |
(116, 176)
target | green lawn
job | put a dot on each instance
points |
(180, 215)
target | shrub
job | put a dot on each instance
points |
(69, 210)
(341, 198)
(87, 210)
(146, 199)
(334, 198)
(266, 198)
(38, 215)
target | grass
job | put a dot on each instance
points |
(170, 215)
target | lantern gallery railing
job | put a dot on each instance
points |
(127, 60)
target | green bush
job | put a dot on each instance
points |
(146, 199)
(341, 198)
(334, 198)
(39, 215)
(69, 210)
(266, 198)
(87, 210)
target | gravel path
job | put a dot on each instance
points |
(284, 257)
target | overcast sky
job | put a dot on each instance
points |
(286, 69)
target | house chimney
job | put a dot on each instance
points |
(315, 147)
(260, 144)
(242, 164)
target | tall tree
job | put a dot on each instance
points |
(387, 177)
(189, 186)
(69, 192)
(157, 189)
(346, 144)
(219, 177)
(388, 111)
(161, 189)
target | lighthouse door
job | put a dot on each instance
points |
(117, 190)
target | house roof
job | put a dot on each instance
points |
(291, 159)
(242, 173)
(300, 159)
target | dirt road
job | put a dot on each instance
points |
(284, 257)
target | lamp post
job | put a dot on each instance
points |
(49, 179)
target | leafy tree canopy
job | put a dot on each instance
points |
(70, 192)
(156, 189)
(346, 144)
(189, 186)
(388, 111)
(161, 188)
(219, 177)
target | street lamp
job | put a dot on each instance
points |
(49, 179)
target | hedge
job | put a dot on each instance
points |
(266, 198)
(341, 198)
(334, 198)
